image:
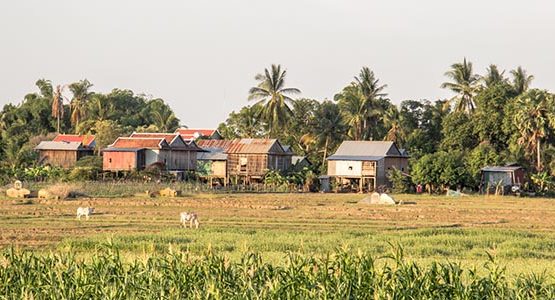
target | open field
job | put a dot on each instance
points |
(518, 231)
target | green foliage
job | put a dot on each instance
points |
(458, 132)
(400, 182)
(440, 170)
(178, 275)
(481, 156)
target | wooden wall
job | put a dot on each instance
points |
(58, 158)
(123, 161)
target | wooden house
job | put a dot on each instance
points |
(192, 134)
(132, 154)
(367, 162)
(250, 159)
(65, 150)
(182, 155)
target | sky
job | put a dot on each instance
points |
(201, 56)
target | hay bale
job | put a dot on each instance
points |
(386, 199)
(377, 198)
(168, 192)
(18, 193)
(60, 191)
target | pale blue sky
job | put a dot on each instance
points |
(202, 56)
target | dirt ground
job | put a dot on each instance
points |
(36, 223)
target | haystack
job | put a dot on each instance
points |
(168, 192)
(18, 191)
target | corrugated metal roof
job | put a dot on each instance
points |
(295, 159)
(52, 145)
(137, 143)
(245, 146)
(212, 154)
(86, 139)
(122, 149)
(355, 157)
(501, 168)
(169, 137)
(195, 133)
(367, 148)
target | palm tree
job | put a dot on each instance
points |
(521, 80)
(393, 119)
(465, 84)
(162, 116)
(533, 117)
(372, 92)
(354, 110)
(328, 125)
(58, 105)
(81, 95)
(273, 96)
(493, 76)
(45, 87)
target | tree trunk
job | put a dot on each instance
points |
(538, 158)
(325, 150)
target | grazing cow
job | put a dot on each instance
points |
(84, 211)
(192, 218)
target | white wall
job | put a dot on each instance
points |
(348, 168)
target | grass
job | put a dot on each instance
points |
(517, 231)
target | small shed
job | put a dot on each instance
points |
(505, 176)
(62, 154)
(127, 154)
(212, 164)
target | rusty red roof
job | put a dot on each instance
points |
(245, 146)
(194, 133)
(169, 137)
(139, 143)
(86, 139)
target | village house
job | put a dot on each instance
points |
(248, 160)
(65, 150)
(366, 162)
(192, 134)
(167, 151)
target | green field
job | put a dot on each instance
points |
(519, 232)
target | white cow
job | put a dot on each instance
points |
(84, 211)
(191, 218)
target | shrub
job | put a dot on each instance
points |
(401, 182)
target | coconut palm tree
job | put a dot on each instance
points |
(329, 126)
(58, 105)
(373, 93)
(464, 83)
(78, 103)
(272, 95)
(533, 117)
(493, 76)
(521, 80)
(354, 110)
(393, 119)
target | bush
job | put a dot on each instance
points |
(440, 170)
(401, 182)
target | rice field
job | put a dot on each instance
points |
(439, 236)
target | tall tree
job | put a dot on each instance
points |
(464, 83)
(58, 105)
(81, 95)
(374, 96)
(393, 121)
(493, 76)
(328, 127)
(534, 117)
(273, 97)
(354, 109)
(521, 80)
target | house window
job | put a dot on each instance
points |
(243, 164)
(350, 168)
(109, 160)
